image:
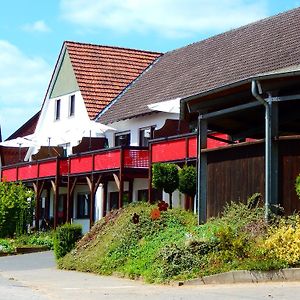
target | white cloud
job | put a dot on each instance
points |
(23, 84)
(38, 26)
(170, 18)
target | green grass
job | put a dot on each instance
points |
(173, 247)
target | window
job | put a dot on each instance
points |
(146, 134)
(122, 138)
(57, 109)
(83, 206)
(72, 106)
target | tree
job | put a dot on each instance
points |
(187, 182)
(16, 208)
(165, 176)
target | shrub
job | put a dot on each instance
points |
(165, 176)
(6, 246)
(284, 241)
(297, 186)
(65, 239)
(16, 208)
(187, 180)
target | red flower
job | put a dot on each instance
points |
(155, 214)
(135, 218)
(162, 205)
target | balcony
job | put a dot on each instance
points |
(84, 163)
(182, 147)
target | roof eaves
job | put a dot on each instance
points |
(265, 76)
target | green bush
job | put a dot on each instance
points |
(65, 239)
(188, 180)
(16, 208)
(6, 246)
(297, 185)
(165, 176)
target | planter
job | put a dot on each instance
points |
(30, 249)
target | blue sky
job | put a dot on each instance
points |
(32, 33)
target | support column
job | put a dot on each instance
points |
(55, 188)
(271, 157)
(150, 189)
(121, 178)
(70, 197)
(93, 186)
(105, 198)
(202, 170)
(38, 188)
(121, 191)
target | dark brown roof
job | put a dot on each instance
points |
(103, 72)
(266, 45)
(27, 128)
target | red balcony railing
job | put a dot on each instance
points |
(26, 171)
(181, 147)
(102, 160)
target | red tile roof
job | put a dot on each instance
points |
(260, 47)
(103, 72)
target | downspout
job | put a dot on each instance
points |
(255, 85)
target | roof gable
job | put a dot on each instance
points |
(65, 81)
(260, 47)
(103, 72)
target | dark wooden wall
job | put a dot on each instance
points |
(237, 172)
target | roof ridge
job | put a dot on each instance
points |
(111, 47)
(254, 23)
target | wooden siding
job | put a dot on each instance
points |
(237, 172)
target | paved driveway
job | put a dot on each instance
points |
(34, 276)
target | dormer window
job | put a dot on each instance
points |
(57, 109)
(72, 106)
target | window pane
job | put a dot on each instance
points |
(57, 109)
(122, 139)
(72, 105)
(83, 206)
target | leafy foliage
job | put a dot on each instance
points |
(65, 238)
(173, 247)
(165, 176)
(16, 208)
(9, 245)
(297, 185)
(187, 180)
(284, 240)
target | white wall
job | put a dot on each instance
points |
(156, 119)
(63, 130)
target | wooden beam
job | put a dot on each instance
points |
(89, 182)
(117, 181)
(97, 183)
(53, 186)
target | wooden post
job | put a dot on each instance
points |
(70, 197)
(150, 189)
(105, 198)
(55, 188)
(93, 186)
(38, 189)
(121, 178)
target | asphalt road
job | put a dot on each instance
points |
(34, 276)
